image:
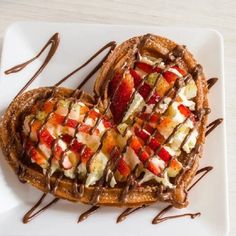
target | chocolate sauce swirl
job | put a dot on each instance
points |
(31, 214)
(53, 42)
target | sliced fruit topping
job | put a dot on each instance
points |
(170, 76)
(87, 154)
(147, 68)
(164, 155)
(56, 119)
(121, 98)
(123, 168)
(184, 110)
(46, 138)
(35, 127)
(37, 156)
(71, 123)
(114, 83)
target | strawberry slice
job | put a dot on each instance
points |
(121, 98)
(153, 168)
(87, 154)
(46, 138)
(141, 134)
(76, 146)
(67, 138)
(145, 91)
(114, 83)
(184, 110)
(48, 106)
(56, 119)
(136, 76)
(154, 144)
(171, 77)
(123, 167)
(93, 114)
(71, 123)
(164, 155)
(37, 156)
(57, 152)
(145, 67)
(106, 122)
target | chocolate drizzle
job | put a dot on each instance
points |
(159, 219)
(32, 213)
(213, 125)
(53, 42)
(87, 213)
(211, 82)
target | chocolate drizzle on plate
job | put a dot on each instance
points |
(53, 42)
(172, 59)
(211, 82)
(32, 213)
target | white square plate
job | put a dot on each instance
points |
(78, 43)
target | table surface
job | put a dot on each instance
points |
(217, 14)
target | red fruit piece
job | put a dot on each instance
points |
(87, 154)
(93, 114)
(123, 168)
(164, 155)
(46, 138)
(141, 134)
(184, 110)
(145, 90)
(106, 123)
(145, 67)
(57, 119)
(114, 83)
(154, 144)
(66, 163)
(71, 123)
(121, 98)
(76, 146)
(48, 106)
(136, 76)
(37, 156)
(153, 168)
(67, 138)
(57, 152)
(169, 76)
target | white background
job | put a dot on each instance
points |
(220, 15)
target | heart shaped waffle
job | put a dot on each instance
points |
(138, 141)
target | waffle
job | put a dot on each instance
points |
(114, 149)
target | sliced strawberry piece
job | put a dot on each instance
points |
(169, 76)
(135, 144)
(145, 90)
(57, 152)
(145, 67)
(37, 156)
(114, 83)
(67, 138)
(180, 70)
(164, 155)
(48, 106)
(56, 119)
(153, 168)
(154, 144)
(184, 110)
(71, 123)
(93, 114)
(46, 138)
(106, 123)
(143, 156)
(136, 76)
(76, 146)
(87, 154)
(141, 134)
(123, 168)
(122, 98)
(84, 128)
